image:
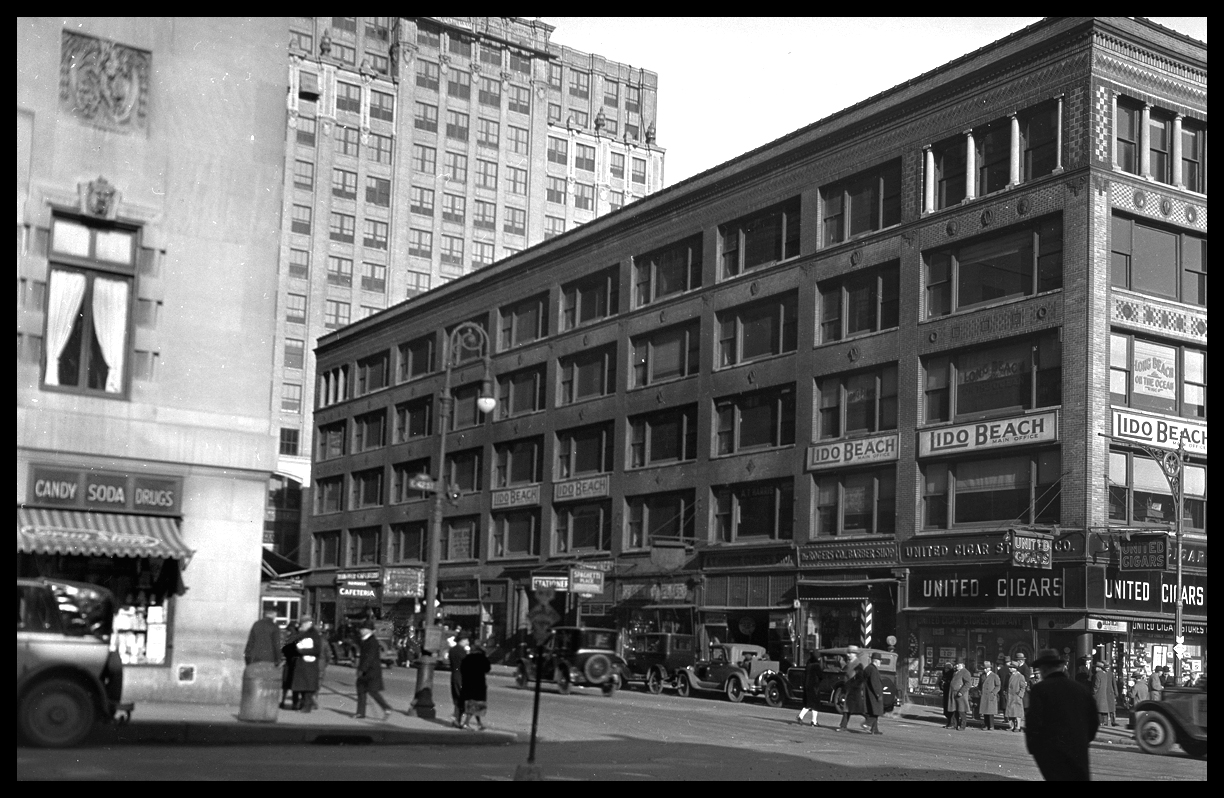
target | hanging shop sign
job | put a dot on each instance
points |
(516, 497)
(459, 590)
(986, 588)
(1163, 432)
(860, 451)
(401, 583)
(560, 583)
(587, 581)
(1144, 553)
(574, 489)
(152, 494)
(1031, 549)
(1151, 591)
(994, 434)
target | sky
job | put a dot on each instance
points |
(729, 85)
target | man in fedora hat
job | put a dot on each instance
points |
(1061, 721)
(874, 692)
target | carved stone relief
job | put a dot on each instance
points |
(104, 83)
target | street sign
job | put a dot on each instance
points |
(1144, 553)
(421, 482)
(543, 618)
(587, 581)
(1180, 639)
(1179, 650)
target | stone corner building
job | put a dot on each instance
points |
(814, 396)
(149, 173)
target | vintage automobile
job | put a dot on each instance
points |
(832, 689)
(657, 658)
(575, 655)
(733, 669)
(1180, 716)
(68, 679)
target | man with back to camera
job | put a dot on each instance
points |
(1061, 721)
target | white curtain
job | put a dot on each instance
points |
(63, 304)
(110, 302)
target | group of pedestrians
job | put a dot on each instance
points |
(863, 691)
(1006, 691)
(302, 656)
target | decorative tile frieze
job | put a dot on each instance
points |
(1157, 201)
(104, 83)
(1165, 318)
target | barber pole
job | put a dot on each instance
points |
(865, 618)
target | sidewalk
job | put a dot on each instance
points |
(332, 723)
(1106, 735)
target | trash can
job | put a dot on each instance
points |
(261, 692)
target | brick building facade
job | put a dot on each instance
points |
(814, 396)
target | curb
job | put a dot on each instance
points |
(241, 733)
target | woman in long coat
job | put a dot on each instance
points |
(1017, 691)
(856, 699)
(945, 684)
(308, 644)
(812, 675)
(474, 688)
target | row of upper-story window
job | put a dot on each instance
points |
(341, 41)
(1159, 144)
(971, 492)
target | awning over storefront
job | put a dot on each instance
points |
(830, 590)
(41, 531)
(276, 566)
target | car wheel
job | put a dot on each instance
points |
(56, 714)
(1154, 734)
(654, 681)
(773, 693)
(520, 676)
(683, 687)
(598, 669)
(563, 678)
(838, 700)
(735, 693)
(1195, 748)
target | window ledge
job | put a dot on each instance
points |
(991, 306)
(858, 336)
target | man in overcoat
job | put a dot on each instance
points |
(1105, 692)
(308, 645)
(873, 688)
(1017, 696)
(263, 641)
(958, 695)
(989, 686)
(1061, 721)
(369, 672)
(854, 703)
(812, 674)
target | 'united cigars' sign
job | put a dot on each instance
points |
(995, 434)
(879, 449)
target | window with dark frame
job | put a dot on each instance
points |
(295, 309)
(414, 419)
(856, 502)
(301, 219)
(454, 208)
(1022, 489)
(424, 159)
(996, 379)
(860, 303)
(950, 160)
(1156, 260)
(484, 216)
(757, 420)
(331, 440)
(336, 314)
(410, 541)
(1194, 156)
(91, 273)
(1161, 377)
(402, 474)
(660, 517)
(421, 200)
(488, 133)
(666, 436)
(520, 392)
(754, 511)
(290, 440)
(378, 191)
(489, 94)
(374, 277)
(416, 358)
(1160, 145)
(519, 462)
(862, 204)
(666, 355)
(515, 221)
(518, 99)
(486, 174)
(420, 243)
(1039, 140)
(590, 299)
(995, 268)
(460, 539)
(367, 488)
(667, 272)
(327, 548)
(1127, 134)
(342, 227)
(860, 403)
(459, 44)
(463, 470)
(458, 84)
(457, 125)
(1139, 493)
(330, 493)
(523, 322)
(993, 157)
(516, 534)
(583, 527)
(295, 353)
(762, 329)
(303, 175)
(348, 97)
(585, 451)
(344, 184)
(588, 374)
(426, 117)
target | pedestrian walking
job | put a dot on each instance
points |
(455, 657)
(369, 672)
(989, 686)
(289, 660)
(873, 692)
(958, 695)
(812, 674)
(1061, 721)
(309, 652)
(1017, 694)
(1155, 684)
(475, 690)
(1105, 693)
(852, 690)
(1140, 690)
(263, 641)
(945, 684)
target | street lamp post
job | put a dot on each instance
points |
(1173, 464)
(467, 336)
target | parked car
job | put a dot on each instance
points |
(68, 679)
(657, 658)
(1180, 716)
(575, 655)
(832, 688)
(733, 669)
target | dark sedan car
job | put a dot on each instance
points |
(832, 689)
(657, 658)
(575, 655)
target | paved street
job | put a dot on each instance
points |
(632, 736)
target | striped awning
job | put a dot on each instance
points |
(41, 531)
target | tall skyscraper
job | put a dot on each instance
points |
(419, 149)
